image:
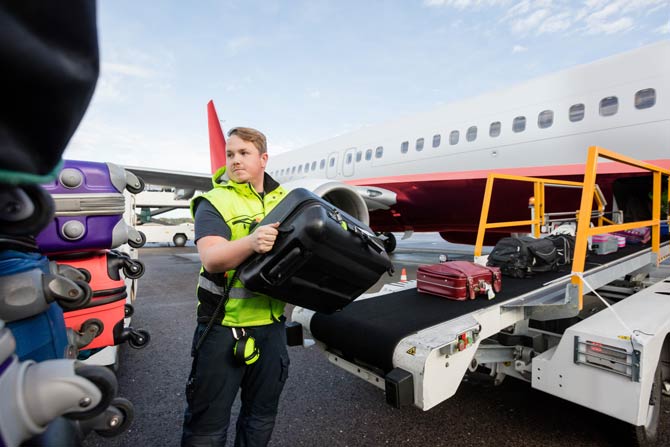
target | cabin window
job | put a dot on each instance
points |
(368, 154)
(609, 106)
(494, 129)
(350, 158)
(471, 134)
(379, 152)
(645, 98)
(519, 124)
(404, 147)
(453, 137)
(419, 144)
(307, 167)
(332, 162)
(545, 119)
(313, 166)
(359, 155)
(576, 113)
(299, 169)
(436, 140)
(293, 170)
(322, 164)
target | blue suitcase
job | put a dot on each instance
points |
(42, 336)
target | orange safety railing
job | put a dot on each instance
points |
(585, 214)
(539, 217)
(584, 230)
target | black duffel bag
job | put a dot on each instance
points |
(523, 256)
(565, 246)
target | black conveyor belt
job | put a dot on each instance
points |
(367, 331)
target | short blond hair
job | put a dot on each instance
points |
(253, 136)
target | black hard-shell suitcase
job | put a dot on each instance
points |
(322, 259)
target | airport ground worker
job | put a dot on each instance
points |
(243, 193)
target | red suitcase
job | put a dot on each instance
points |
(458, 280)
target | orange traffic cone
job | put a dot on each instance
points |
(403, 275)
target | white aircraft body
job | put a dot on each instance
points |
(428, 172)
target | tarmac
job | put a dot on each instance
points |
(324, 406)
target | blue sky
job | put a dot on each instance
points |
(306, 70)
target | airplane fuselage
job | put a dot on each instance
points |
(437, 162)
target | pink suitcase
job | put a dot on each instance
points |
(640, 235)
(458, 280)
(89, 209)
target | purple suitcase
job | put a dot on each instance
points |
(89, 208)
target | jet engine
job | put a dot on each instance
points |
(343, 196)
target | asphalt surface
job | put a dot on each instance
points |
(322, 404)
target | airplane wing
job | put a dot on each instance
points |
(177, 179)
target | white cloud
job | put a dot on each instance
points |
(519, 49)
(663, 29)
(525, 17)
(234, 46)
(464, 4)
(591, 17)
(616, 26)
(555, 23)
(314, 93)
(127, 70)
(105, 141)
(527, 24)
(109, 88)
(604, 13)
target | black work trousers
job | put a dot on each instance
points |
(214, 382)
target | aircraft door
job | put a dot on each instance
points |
(331, 165)
(348, 162)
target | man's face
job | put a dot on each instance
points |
(244, 162)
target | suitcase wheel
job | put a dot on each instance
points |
(129, 310)
(121, 415)
(139, 242)
(69, 294)
(86, 273)
(139, 338)
(106, 382)
(133, 269)
(94, 326)
(134, 184)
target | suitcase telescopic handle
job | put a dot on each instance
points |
(369, 238)
(283, 268)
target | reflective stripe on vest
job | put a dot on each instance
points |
(235, 292)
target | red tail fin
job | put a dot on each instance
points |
(217, 142)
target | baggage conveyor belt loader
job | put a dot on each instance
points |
(552, 330)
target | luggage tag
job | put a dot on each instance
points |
(489, 291)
